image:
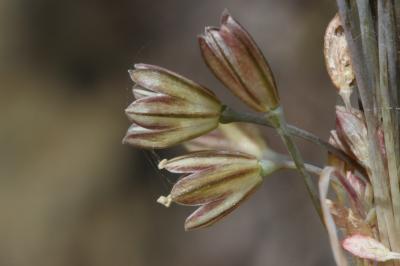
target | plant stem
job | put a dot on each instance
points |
(312, 169)
(229, 115)
(277, 120)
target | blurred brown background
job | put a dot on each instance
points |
(71, 194)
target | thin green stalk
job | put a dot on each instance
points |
(229, 115)
(276, 118)
(312, 169)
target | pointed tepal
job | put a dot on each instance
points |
(234, 58)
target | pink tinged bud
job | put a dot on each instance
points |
(169, 108)
(163, 138)
(238, 137)
(366, 247)
(218, 181)
(212, 212)
(352, 130)
(234, 58)
(356, 183)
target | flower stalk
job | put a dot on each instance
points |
(277, 120)
(230, 115)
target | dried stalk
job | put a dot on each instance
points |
(376, 78)
(388, 105)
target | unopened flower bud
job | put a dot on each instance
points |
(234, 58)
(169, 108)
(218, 181)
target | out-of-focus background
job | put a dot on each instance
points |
(71, 194)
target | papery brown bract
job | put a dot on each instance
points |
(217, 180)
(352, 130)
(348, 220)
(168, 109)
(234, 58)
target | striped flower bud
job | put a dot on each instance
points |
(234, 58)
(168, 109)
(239, 137)
(218, 181)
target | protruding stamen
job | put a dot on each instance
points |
(166, 201)
(162, 164)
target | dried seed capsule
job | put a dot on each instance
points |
(337, 59)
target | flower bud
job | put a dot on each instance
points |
(218, 181)
(239, 137)
(168, 109)
(234, 58)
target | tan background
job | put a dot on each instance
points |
(71, 194)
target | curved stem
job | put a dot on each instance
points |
(229, 115)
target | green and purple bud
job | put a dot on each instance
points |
(234, 58)
(168, 109)
(218, 181)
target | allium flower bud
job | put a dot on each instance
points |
(218, 181)
(239, 137)
(352, 130)
(233, 56)
(169, 108)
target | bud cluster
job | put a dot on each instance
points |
(227, 162)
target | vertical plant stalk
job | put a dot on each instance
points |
(366, 91)
(388, 100)
(276, 118)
